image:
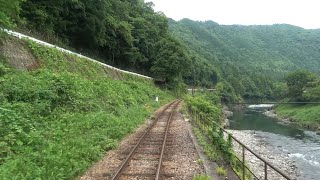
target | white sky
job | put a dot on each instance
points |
(303, 13)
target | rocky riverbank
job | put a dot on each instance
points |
(277, 159)
(227, 114)
(273, 114)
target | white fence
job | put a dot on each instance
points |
(20, 36)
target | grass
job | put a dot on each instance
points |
(56, 121)
(221, 171)
(199, 161)
(212, 141)
(303, 115)
(209, 149)
(202, 177)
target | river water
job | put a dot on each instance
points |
(302, 146)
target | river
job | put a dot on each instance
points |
(302, 146)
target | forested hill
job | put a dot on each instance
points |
(240, 61)
(127, 34)
(273, 50)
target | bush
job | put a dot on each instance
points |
(57, 120)
(205, 107)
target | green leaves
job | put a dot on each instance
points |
(297, 83)
(56, 120)
(9, 12)
(171, 60)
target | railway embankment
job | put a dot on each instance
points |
(60, 113)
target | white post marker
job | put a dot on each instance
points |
(157, 99)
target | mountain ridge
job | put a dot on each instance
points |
(281, 47)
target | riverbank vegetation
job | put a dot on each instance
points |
(304, 87)
(304, 115)
(64, 114)
(206, 113)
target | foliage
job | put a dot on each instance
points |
(211, 151)
(210, 136)
(280, 90)
(9, 12)
(199, 161)
(227, 92)
(298, 82)
(59, 119)
(127, 34)
(312, 94)
(205, 106)
(221, 171)
(249, 59)
(172, 61)
(303, 115)
(303, 86)
(201, 177)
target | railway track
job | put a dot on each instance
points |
(145, 159)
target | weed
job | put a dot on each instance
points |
(207, 131)
(199, 161)
(303, 115)
(57, 120)
(221, 171)
(201, 177)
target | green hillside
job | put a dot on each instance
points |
(60, 113)
(272, 50)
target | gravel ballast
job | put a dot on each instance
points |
(181, 160)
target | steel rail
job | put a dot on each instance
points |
(129, 157)
(165, 140)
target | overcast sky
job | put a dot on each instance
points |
(303, 13)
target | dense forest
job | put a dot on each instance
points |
(128, 34)
(251, 59)
(239, 61)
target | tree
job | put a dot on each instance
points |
(297, 83)
(171, 60)
(9, 11)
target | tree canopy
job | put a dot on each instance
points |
(128, 34)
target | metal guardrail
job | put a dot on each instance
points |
(254, 103)
(22, 36)
(204, 123)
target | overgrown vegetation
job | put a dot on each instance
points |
(202, 177)
(221, 171)
(126, 34)
(57, 120)
(304, 115)
(301, 86)
(247, 62)
(9, 12)
(207, 115)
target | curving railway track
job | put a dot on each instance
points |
(145, 159)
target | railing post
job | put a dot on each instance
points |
(243, 164)
(265, 171)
